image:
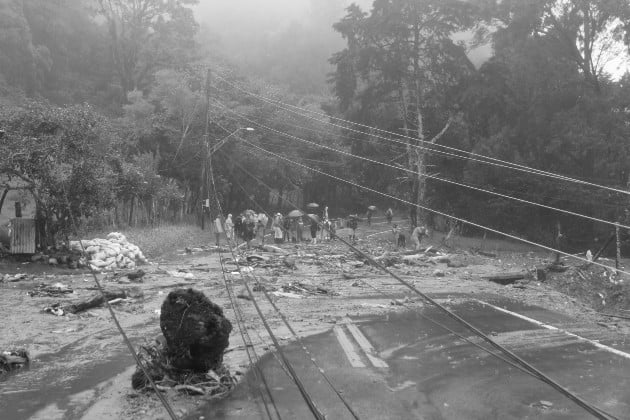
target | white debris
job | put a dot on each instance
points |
(108, 254)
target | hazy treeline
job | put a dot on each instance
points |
(105, 103)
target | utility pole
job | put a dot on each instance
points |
(206, 165)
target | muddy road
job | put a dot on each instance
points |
(81, 369)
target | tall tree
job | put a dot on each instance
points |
(147, 35)
(402, 57)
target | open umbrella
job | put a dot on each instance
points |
(295, 213)
(313, 217)
(373, 208)
(312, 206)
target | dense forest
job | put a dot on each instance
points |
(115, 112)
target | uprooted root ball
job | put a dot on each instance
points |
(191, 355)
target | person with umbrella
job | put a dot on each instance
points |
(389, 214)
(370, 209)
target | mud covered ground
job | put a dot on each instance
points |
(81, 369)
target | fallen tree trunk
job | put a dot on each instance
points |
(94, 301)
(506, 278)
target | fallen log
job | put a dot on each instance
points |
(505, 278)
(94, 301)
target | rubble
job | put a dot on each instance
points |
(52, 290)
(111, 253)
(13, 360)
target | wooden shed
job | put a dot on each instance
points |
(22, 232)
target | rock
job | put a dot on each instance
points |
(455, 264)
(289, 262)
(195, 330)
(136, 275)
(439, 273)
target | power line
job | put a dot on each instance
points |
(243, 331)
(305, 395)
(490, 160)
(468, 340)
(595, 219)
(432, 210)
(584, 404)
(297, 337)
(126, 340)
(507, 191)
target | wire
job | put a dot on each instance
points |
(582, 202)
(298, 338)
(434, 211)
(139, 363)
(305, 395)
(490, 160)
(253, 366)
(595, 219)
(468, 340)
(584, 404)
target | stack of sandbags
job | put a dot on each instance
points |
(108, 254)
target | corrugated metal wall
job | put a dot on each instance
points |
(22, 236)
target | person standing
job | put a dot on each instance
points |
(229, 228)
(286, 226)
(218, 228)
(300, 229)
(277, 229)
(353, 224)
(369, 217)
(325, 213)
(314, 228)
(249, 229)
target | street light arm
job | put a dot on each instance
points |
(221, 142)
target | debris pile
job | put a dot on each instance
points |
(189, 357)
(108, 254)
(13, 360)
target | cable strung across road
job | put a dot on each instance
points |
(145, 372)
(239, 117)
(448, 181)
(428, 209)
(292, 330)
(517, 359)
(305, 395)
(432, 146)
(253, 362)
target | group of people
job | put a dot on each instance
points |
(293, 229)
(244, 226)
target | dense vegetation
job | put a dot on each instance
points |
(109, 108)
